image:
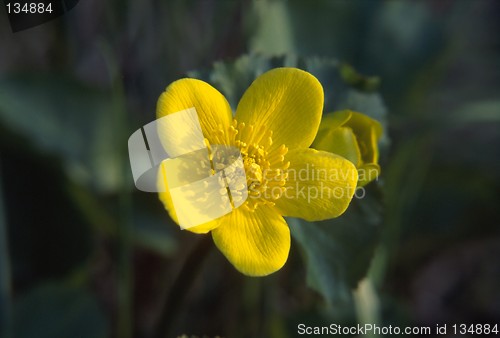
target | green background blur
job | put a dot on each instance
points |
(84, 254)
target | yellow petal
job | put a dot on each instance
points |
(256, 243)
(213, 112)
(368, 132)
(341, 141)
(332, 121)
(211, 106)
(360, 146)
(320, 185)
(166, 198)
(367, 173)
(288, 101)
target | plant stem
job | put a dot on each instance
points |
(125, 226)
(182, 285)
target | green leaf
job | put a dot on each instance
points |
(273, 33)
(233, 78)
(487, 111)
(361, 82)
(57, 310)
(61, 117)
(338, 252)
(344, 93)
(320, 27)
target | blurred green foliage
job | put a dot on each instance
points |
(76, 311)
(83, 254)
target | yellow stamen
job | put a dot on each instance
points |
(265, 168)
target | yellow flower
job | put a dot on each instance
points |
(354, 136)
(275, 123)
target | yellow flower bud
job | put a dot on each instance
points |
(353, 136)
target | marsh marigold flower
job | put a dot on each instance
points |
(355, 137)
(275, 122)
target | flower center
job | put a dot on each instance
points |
(264, 165)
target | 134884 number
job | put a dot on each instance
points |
(475, 329)
(29, 8)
